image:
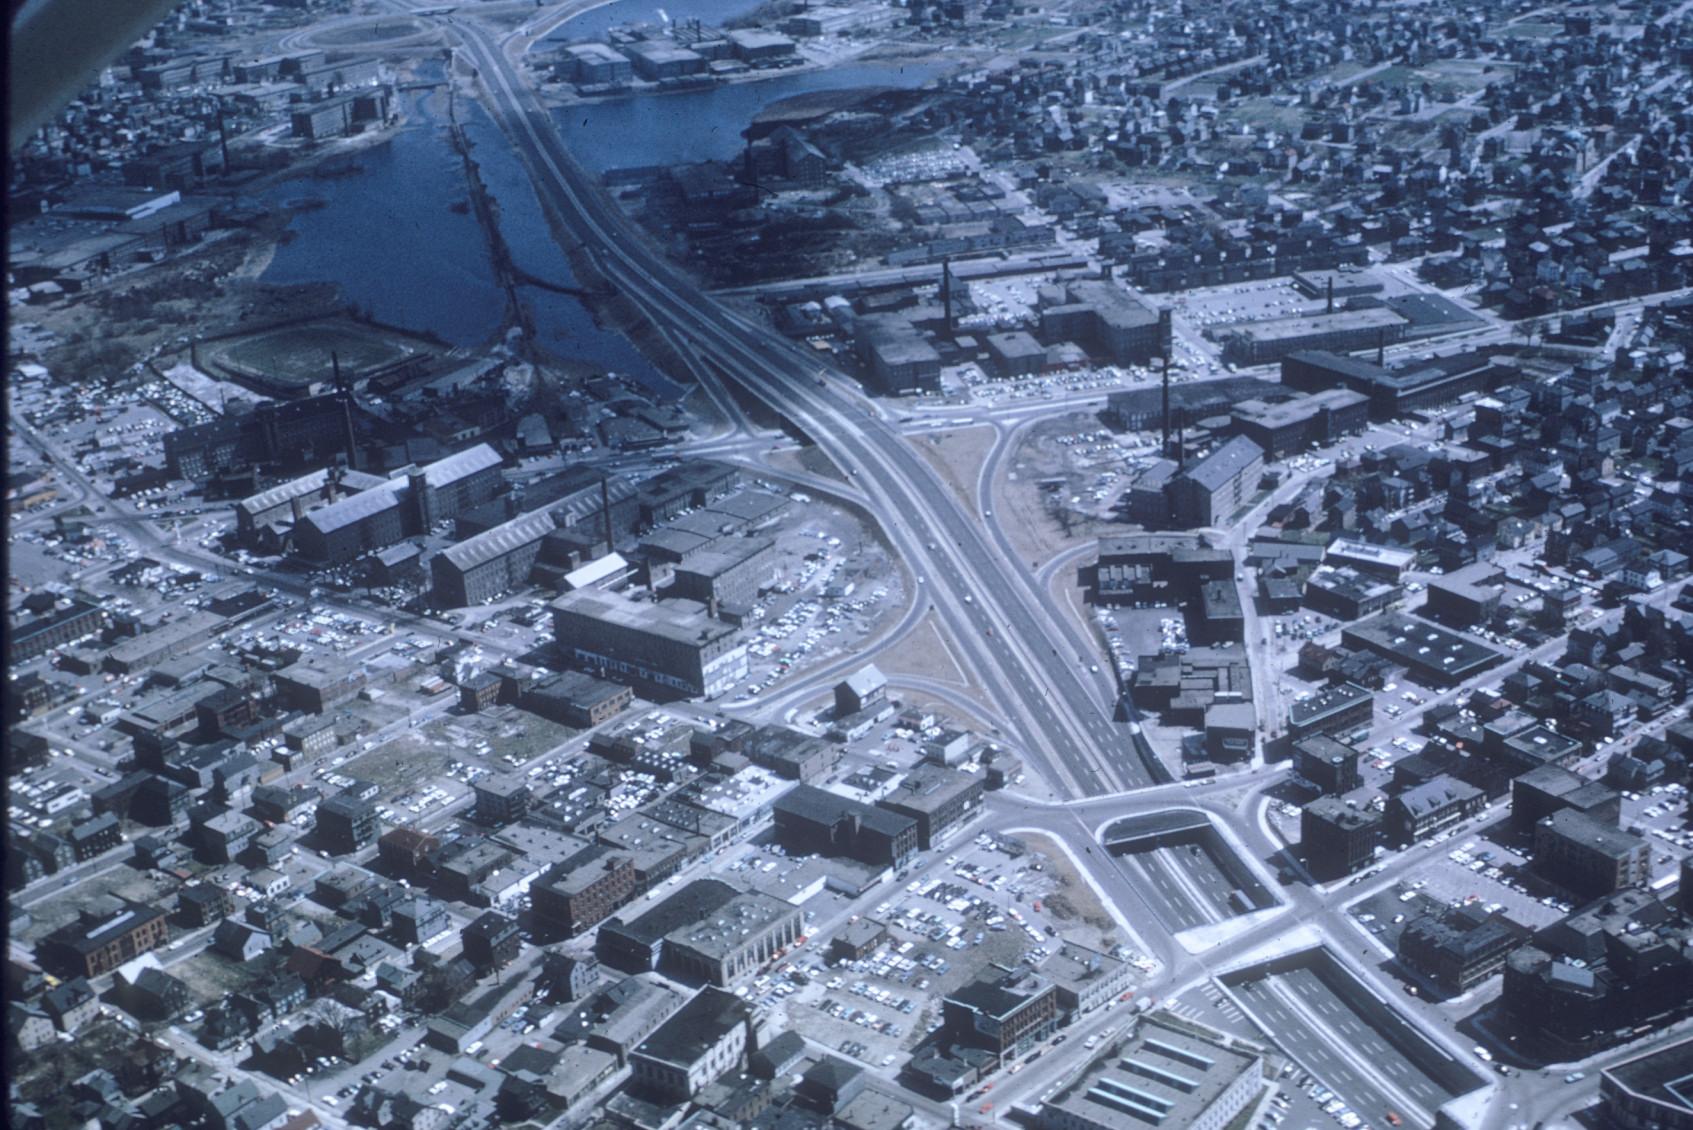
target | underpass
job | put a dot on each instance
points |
(1179, 854)
(1346, 1035)
(1000, 625)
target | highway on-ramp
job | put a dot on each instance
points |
(1007, 636)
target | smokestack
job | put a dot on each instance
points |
(946, 291)
(1165, 450)
(335, 367)
(1381, 347)
(223, 138)
(1331, 294)
(1181, 442)
(605, 512)
(348, 437)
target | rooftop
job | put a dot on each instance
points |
(696, 1027)
(1162, 1076)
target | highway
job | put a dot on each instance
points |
(1006, 635)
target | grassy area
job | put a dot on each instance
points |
(1263, 112)
(808, 459)
(924, 653)
(298, 355)
(958, 456)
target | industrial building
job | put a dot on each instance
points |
(100, 938)
(1648, 1092)
(1329, 765)
(1347, 594)
(581, 891)
(1459, 947)
(1211, 490)
(1588, 857)
(62, 624)
(1086, 979)
(346, 824)
(1006, 1015)
(594, 64)
(708, 1037)
(939, 799)
(491, 563)
(1162, 1075)
(1109, 322)
(411, 502)
(318, 685)
(1466, 598)
(279, 507)
(812, 820)
(1550, 788)
(671, 648)
(897, 358)
(1333, 710)
(1259, 343)
(1430, 808)
(730, 573)
(1432, 656)
(1292, 426)
(1338, 838)
(1381, 561)
(708, 930)
(1396, 391)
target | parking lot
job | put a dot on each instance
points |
(983, 905)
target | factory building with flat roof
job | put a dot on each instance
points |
(1259, 343)
(1161, 1076)
(1400, 389)
(1291, 426)
(1431, 655)
(673, 648)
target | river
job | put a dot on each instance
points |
(388, 235)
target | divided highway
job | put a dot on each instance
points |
(998, 622)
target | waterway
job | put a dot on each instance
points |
(595, 23)
(640, 130)
(389, 236)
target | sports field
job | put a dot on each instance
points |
(295, 356)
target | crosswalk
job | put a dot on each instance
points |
(1219, 1002)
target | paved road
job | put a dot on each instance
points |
(1006, 635)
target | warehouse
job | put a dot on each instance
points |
(1306, 421)
(1217, 485)
(673, 648)
(496, 561)
(1259, 343)
(730, 573)
(172, 638)
(1432, 656)
(1162, 1076)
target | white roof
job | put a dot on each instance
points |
(595, 571)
